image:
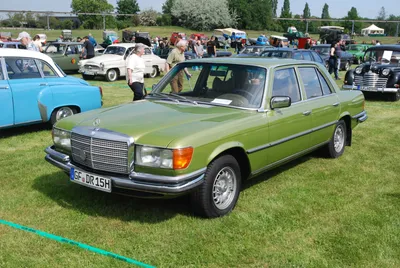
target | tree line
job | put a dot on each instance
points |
(200, 15)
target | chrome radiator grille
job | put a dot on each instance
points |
(100, 154)
(91, 68)
(370, 80)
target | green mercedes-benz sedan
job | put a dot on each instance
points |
(207, 126)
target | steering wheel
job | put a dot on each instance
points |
(244, 93)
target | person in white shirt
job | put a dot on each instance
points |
(135, 72)
(38, 43)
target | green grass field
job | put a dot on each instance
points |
(314, 212)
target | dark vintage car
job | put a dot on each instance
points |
(380, 72)
(292, 53)
(345, 58)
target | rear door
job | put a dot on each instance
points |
(26, 83)
(6, 100)
(72, 57)
(323, 103)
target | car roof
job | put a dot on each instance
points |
(262, 62)
(66, 43)
(11, 43)
(383, 47)
(126, 45)
(322, 45)
(12, 52)
(285, 49)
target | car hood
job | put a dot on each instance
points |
(104, 58)
(376, 67)
(158, 123)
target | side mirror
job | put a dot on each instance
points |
(280, 102)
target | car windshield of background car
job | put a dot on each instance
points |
(275, 54)
(115, 50)
(383, 56)
(322, 50)
(57, 48)
(233, 85)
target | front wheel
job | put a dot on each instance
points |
(61, 113)
(111, 75)
(154, 72)
(395, 96)
(218, 194)
(335, 147)
(347, 66)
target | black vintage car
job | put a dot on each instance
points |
(380, 72)
(345, 58)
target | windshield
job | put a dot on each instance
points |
(321, 50)
(213, 84)
(249, 50)
(354, 47)
(115, 50)
(276, 54)
(56, 48)
(383, 56)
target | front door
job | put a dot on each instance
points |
(6, 100)
(289, 128)
(71, 58)
(26, 83)
(148, 60)
(323, 102)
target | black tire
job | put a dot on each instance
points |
(395, 96)
(87, 77)
(335, 147)
(206, 199)
(347, 66)
(61, 112)
(112, 75)
(154, 72)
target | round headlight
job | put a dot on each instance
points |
(385, 72)
(358, 70)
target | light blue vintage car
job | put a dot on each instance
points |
(34, 89)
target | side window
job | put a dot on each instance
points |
(317, 57)
(325, 87)
(311, 82)
(147, 51)
(1, 71)
(22, 68)
(128, 52)
(285, 84)
(307, 56)
(297, 56)
(46, 69)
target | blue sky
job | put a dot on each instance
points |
(337, 8)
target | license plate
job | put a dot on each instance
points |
(88, 72)
(368, 89)
(90, 180)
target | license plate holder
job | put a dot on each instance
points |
(91, 180)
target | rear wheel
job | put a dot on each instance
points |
(218, 194)
(61, 113)
(336, 145)
(112, 75)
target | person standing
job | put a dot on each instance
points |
(25, 40)
(135, 72)
(333, 61)
(338, 52)
(87, 49)
(177, 55)
(212, 47)
(199, 49)
(92, 40)
(38, 43)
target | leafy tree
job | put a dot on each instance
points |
(274, 8)
(127, 7)
(16, 19)
(204, 15)
(67, 24)
(93, 6)
(167, 6)
(148, 17)
(325, 15)
(307, 15)
(348, 24)
(285, 13)
(381, 16)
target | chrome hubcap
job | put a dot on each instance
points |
(224, 188)
(64, 112)
(154, 72)
(112, 74)
(338, 138)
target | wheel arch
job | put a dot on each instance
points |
(349, 133)
(237, 150)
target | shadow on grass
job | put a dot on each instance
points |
(15, 131)
(96, 203)
(276, 171)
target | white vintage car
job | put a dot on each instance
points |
(112, 63)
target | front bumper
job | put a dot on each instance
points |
(143, 182)
(371, 89)
(94, 72)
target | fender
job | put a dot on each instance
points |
(349, 77)
(45, 100)
(222, 148)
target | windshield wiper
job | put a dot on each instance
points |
(183, 98)
(163, 95)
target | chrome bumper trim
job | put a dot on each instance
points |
(137, 181)
(361, 117)
(372, 89)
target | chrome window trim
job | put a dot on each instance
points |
(4, 68)
(289, 138)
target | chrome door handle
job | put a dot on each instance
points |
(336, 104)
(307, 113)
(4, 87)
(44, 84)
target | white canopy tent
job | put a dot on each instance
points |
(372, 29)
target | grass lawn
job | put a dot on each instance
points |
(314, 212)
